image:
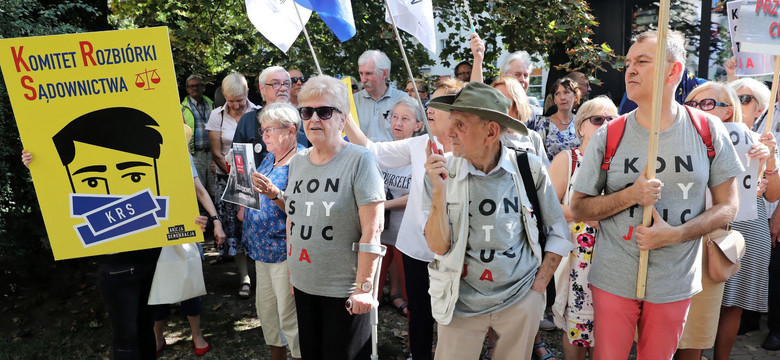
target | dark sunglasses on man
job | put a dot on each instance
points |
(745, 99)
(323, 112)
(295, 79)
(706, 104)
(598, 120)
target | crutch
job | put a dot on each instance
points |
(378, 250)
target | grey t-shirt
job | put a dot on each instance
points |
(673, 272)
(499, 266)
(322, 204)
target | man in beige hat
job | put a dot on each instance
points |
(491, 265)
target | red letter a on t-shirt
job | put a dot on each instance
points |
(304, 256)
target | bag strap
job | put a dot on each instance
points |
(530, 191)
(573, 157)
(702, 125)
(615, 130)
(617, 127)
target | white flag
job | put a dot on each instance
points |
(416, 18)
(277, 20)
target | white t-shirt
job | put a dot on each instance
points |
(220, 120)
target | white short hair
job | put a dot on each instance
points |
(332, 90)
(759, 90)
(281, 112)
(521, 56)
(268, 71)
(381, 61)
(234, 85)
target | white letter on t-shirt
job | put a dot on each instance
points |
(685, 189)
(327, 207)
(308, 208)
(487, 229)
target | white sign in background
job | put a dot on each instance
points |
(747, 182)
(748, 63)
(759, 29)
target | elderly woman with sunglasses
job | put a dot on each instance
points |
(335, 199)
(264, 231)
(753, 96)
(573, 308)
(714, 314)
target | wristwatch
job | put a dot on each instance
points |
(365, 286)
(212, 218)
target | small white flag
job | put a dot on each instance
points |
(416, 18)
(277, 20)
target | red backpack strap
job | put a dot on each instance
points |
(573, 161)
(702, 125)
(615, 129)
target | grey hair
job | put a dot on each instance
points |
(268, 71)
(193, 76)
(521, 56)
(414, 106)
(675, 44)
(333, 91)
(283, 113)
(759, 90)
(234, 85)
(594, 106)
(381, 61)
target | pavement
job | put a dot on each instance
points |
(748, 346)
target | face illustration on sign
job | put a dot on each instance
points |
(111, 151)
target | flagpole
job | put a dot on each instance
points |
(306, 34)
(411, 76)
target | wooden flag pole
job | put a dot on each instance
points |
(771, 112)
(652, 152)
(306, 34)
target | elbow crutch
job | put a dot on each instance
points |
(378, 250)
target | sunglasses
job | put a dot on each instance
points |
(746, 99)
(323, 112)
(295, 79)
(706, 104)
(598, 120)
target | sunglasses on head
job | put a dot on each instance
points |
(295, 79)
(746, 99)
(705, 104)
(323, 112)
(598, 120)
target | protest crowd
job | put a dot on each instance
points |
(465, 215)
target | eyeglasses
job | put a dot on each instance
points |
(706, 104)
(276, 86)
(323, 112)
(598, 120)
(295, 79)
(267, 130)
(463, 73)
(195, 86)
(746, 99)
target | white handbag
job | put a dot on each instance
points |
(179, 275)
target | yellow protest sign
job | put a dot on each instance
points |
(352, 108)
(100, 114)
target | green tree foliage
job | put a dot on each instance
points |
(215, 37)
(20, 222)
(539, 27)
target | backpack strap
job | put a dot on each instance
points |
(615, 129)
(573, 153)
(702, 125)
(530, 191)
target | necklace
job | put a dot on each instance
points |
(285, 155)
(564, 122)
